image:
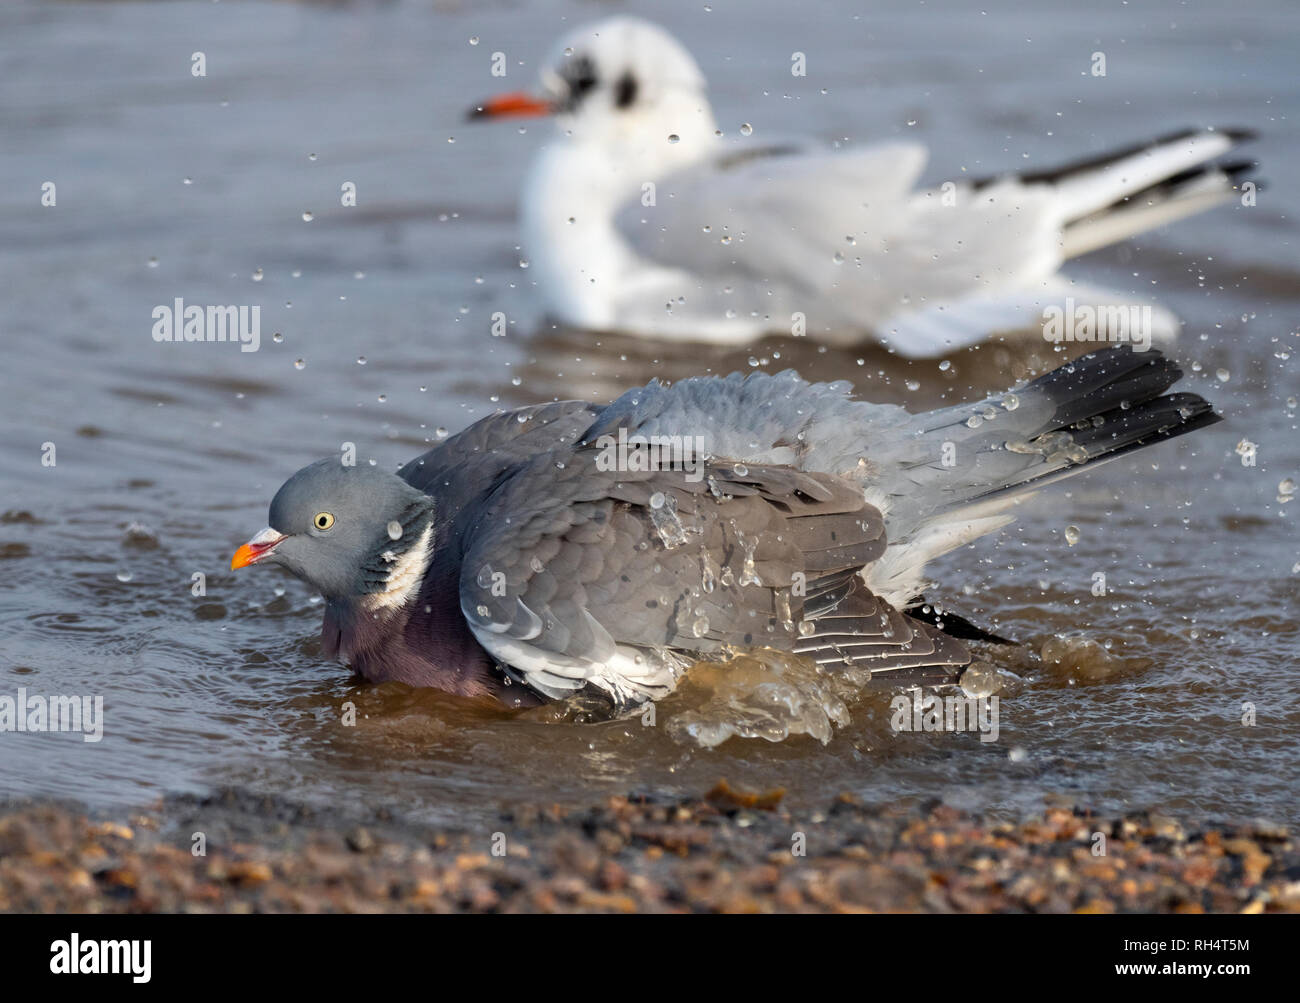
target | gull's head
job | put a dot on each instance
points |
(618, 80)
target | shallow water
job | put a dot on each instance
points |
(167, 455)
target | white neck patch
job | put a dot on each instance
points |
(405, 573)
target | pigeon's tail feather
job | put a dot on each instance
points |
(972, 463)
(1102, 381)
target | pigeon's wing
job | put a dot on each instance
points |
(857, 629)
(843, 239)
(466, 464)
(577, 575)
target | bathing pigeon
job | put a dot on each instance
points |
(568, 546)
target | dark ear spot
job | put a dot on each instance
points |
(625, 91)
(580, 74)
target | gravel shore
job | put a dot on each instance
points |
(726, 851)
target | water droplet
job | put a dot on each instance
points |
(674, 138)
(361, 360)
(980, 680)
(1071, 535)
(257, 275)
(307, 217)
(746, 129)
(394, 530)
(300, 364)
(663, 513)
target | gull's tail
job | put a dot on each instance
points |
(1126, 192)
(1099, 202)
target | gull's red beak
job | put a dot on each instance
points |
(256, 549)
(518, 104)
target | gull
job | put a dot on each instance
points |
(641, 217)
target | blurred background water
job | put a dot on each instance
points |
(225, 189)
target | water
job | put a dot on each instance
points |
(226, 189)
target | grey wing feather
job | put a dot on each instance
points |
(598, 577)
(472, 458)
(856, 629)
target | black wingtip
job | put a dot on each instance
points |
(1239, 134)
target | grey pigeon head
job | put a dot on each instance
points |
(342, 529)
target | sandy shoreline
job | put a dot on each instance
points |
(722, 852)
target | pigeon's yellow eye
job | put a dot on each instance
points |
(323, 520)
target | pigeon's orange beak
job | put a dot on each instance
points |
(256, 549)
(517, 104)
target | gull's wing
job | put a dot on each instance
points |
(745, 243)
(577, 576)
(776, 214)
(842, 238)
